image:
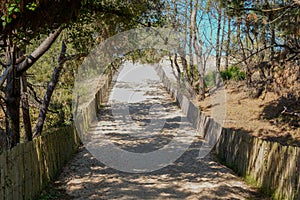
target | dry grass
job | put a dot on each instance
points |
(259, 117)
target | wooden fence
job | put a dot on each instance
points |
(268, 165)
(29, 167)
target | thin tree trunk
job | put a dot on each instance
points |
(191, 55)
(218, 61)
(228, 43)
(174, 21)
(50, 89)
(184, 66)
(222, 42)
(25, 109)
(273, 41)
(248, 71)
(183, 48)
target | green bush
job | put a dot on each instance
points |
(234, 73)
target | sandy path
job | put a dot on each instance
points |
(189, 177)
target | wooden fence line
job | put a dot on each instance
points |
(29, 167)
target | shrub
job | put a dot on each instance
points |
(233, 72)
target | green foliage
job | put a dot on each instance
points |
(86, 24)
(31, 6)
(10, 14)
(233, 73)
(146, 56)
(81, 36)
(22, 15)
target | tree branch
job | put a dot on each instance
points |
(293, 5)
(252, 54)
(33, 92)
(43, 48)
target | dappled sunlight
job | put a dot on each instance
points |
(144, 147)
(187, 178)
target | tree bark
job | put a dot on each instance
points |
(12, 98)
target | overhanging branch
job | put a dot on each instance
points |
(43, 48)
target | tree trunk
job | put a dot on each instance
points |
(273, 41)
(222, 42)
(198, 50)
(171, 60)
(228, 43)
(50, 89)
(174, 21)
(218, 53)
(184, 66)
(25, 110)
(191, 55)
(248, 71)
(182, 52)
(12, 92)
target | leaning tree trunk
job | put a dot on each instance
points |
(50, 89)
